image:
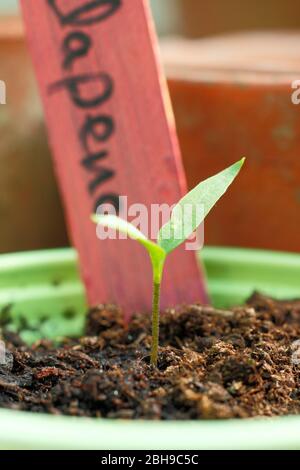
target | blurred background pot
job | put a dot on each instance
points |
(232, 98)
(206, 18)
(30, 209)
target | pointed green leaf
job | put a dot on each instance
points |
(156, 253)
(192, 209)
(121, 225)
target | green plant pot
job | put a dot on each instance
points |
(46, 288)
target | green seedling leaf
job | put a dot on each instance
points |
(121, 225)
(192, 209)
(186, 216)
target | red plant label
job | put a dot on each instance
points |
(112, 134)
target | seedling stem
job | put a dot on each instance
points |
(206, 194)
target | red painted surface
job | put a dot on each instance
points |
(114, 82)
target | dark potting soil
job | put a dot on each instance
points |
(212, 364)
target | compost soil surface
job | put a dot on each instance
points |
(212, 364)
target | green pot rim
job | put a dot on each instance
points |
(28, 278)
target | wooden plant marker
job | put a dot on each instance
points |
(112, 133)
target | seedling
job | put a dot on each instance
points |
(175, 232)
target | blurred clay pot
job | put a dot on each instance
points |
(199, 19)
(30, 210)
(232, 98)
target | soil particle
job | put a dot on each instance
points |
(212, 364)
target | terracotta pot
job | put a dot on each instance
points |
(30, 209)
(200, 18)
(232, 98)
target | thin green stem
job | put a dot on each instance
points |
(155, 323)
(158, 261)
